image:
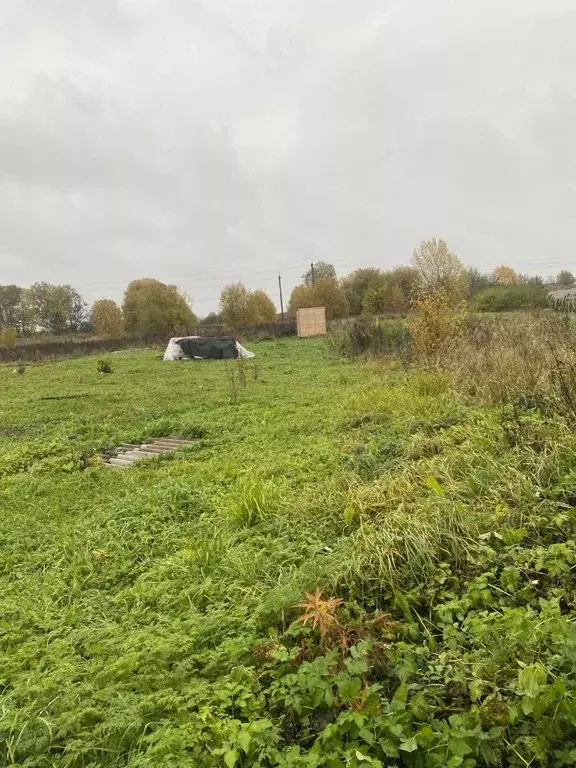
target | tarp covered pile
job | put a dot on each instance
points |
(205, 347)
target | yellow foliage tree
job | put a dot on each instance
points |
(106, 318)
(326, 292)
(234, 305)
(505, 275)
(261, 308)
(301, 297)
(240, 307)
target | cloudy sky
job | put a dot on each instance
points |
(201, 141)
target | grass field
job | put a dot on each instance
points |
(148, 615)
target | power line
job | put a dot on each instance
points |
(239, 272)
(198, 281)
(213, 276)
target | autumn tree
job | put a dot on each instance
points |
(302, 296)
(439, 269)
(234, 305)
(321, 269)
(261, 308)
(503, 275)
(56, 308)
(326, 292)
(106, 318)
(565, 278)
(386, 298)
(240, 307)
(154, 307)
(357, 284)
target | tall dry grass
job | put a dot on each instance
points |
(528, 356)
(499, 358)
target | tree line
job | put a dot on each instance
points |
(149, 307)
(434, 268)
(152, 307)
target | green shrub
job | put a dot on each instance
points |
(504, 298)
(104, 366)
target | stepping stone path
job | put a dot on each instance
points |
(128, 453)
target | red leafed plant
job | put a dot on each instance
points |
(322, 613)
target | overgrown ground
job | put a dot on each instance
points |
(147, 615)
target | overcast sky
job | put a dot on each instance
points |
(200, 141)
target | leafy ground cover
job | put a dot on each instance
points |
(353, 566)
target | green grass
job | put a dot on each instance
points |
(147, 614)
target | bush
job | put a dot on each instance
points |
(437, 321)
(505, 298)
(8, 337)
(366, 335)
(104, 366)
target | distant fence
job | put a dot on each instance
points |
(33, 349)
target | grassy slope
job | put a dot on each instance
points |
(132, 599)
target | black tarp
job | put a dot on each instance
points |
(211, 347)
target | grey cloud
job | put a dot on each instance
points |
(227, 138)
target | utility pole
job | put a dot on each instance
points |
(312, 270)
(281, 299)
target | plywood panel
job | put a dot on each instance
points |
(311, 321)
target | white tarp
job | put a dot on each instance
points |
(242, 352)
(174, 350)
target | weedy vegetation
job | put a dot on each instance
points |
(104, 366)
(366, 559)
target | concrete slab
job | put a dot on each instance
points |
(129, 453)
(120, 462)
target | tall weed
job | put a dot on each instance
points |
(255, 500)
(436, 323)
(372, 336)
(529, 359)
